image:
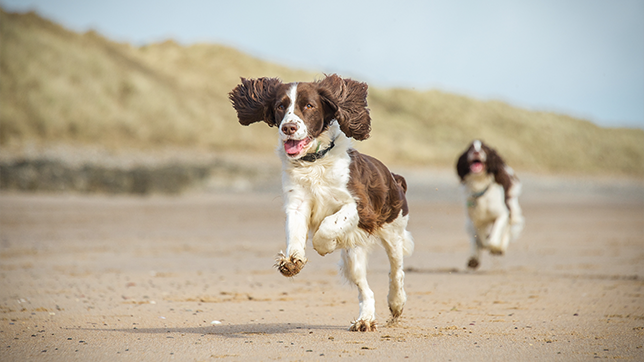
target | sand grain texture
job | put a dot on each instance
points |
(191, 278)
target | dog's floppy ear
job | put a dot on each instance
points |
(462, 166)
(496, 166)
(253, 100)
(346, 101)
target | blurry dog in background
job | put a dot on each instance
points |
(491, 190)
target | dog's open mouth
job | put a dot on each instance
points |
(476, 166)
(295, 147)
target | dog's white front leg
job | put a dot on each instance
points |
(297, 219)
(333, 226)
(475, 246)
(497, 242)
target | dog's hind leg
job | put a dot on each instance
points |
(397, 242)
(354, 268)
(516, 219)
(499, 236)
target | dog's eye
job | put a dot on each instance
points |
(308, 106)
(280, 107)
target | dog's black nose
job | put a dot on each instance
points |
(289, 128)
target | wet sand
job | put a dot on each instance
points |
(191, 278)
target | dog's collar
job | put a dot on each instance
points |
(471, 201)
(311, 157)
(476, 195)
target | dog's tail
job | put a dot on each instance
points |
(400, 181)
(408, 241)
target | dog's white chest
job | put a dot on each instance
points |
(323, 184)
(487, 206)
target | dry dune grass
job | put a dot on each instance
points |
(440, 124)
(82, 89)
(59, 86)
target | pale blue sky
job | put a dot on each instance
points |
(580, 57)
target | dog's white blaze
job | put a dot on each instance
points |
(477, 145)
(290, 116)
(292, 94)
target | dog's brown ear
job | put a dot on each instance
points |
(253, 100)
(462, 166)
(496, 166)
(346, 100)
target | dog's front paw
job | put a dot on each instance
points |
(289, 266)
(363, 326)
(324, 245)
(496, 251)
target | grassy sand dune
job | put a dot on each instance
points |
(62, 87)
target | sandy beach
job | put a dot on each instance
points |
(191, 278)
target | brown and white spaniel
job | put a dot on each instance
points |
(333, 194)
(492, 196)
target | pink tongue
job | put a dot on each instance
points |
(293, 147)
(476, 167)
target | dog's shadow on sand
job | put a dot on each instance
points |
(235, 330)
